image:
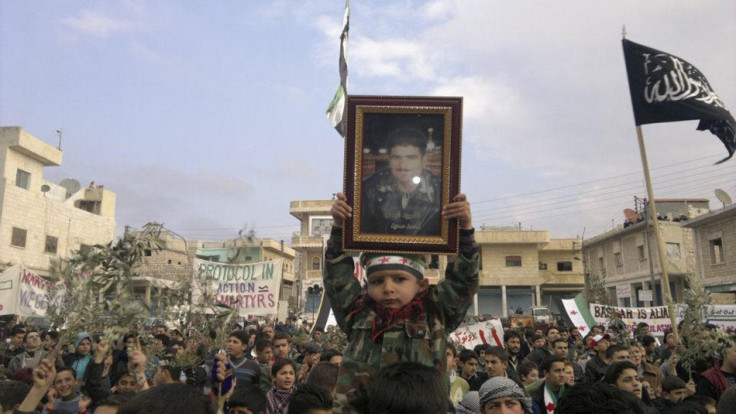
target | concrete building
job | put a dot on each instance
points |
(315, 219)
(41, 220)
(627, 257)
(525, 268)
(715, 252)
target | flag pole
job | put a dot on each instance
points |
(660, 243)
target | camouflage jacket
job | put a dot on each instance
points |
(422, 340)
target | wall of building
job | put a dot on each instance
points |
(721, 225)
(44, 214)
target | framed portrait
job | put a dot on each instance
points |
(402, 165)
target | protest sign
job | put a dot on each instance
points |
(251, 288)
(23, 292)
(486, 332)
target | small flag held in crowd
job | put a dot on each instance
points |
(578, 314)
(336, 110)
(666, 88)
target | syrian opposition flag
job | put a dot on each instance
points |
(578, 314)
(336, 110)
(665, 88)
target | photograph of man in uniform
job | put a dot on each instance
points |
(403, 198)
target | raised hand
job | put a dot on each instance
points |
(341, 210)
(459, 209)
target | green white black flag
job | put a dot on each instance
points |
(336, 110)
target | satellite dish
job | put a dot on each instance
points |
(71, 185)
(631, 215)
(723, 197)
(45, 188)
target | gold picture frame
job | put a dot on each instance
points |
(402, 165)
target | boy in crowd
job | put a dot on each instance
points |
(281, 345)
(458, 386)
(468, 365)
(246, 371)
(528, 372)
(400, 318)
(497, 365)
(544, 398)
(264, 356)
(674, 390)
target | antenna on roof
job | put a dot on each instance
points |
(723, 197)
(58, 135)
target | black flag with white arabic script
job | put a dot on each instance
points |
(666, 88)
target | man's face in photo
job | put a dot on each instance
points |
(406, 163)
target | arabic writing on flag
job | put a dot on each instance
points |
(666, 88)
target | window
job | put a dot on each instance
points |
(673, 251)
(22, 179)
(716, 250)
(513, 261)
(18, 238)
(542, 266)
(316, 263)
(601, 263)
(564, 266)
(147, 252)
(641, 252)
(618, 259)
(51, 244)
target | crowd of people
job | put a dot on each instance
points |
(397, 358)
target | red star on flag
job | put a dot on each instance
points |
(572, 312)
(385, 260)
(404, 260)
(550, 407)
(582, 328)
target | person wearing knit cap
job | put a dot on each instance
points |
(503, 395)
(398, 316)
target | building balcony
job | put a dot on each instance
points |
(304, 242)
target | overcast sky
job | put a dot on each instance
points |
(208, 116)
